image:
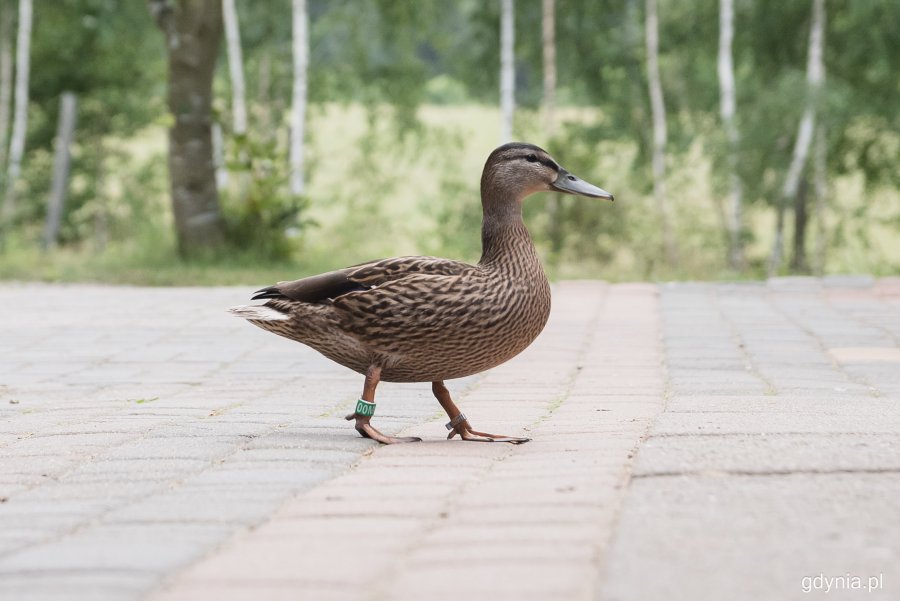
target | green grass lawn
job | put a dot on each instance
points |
(110, 267)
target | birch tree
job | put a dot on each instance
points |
(820, 190)
(20, 115)
(298, 103)
(193, 32)
(6, 76)
(218, 151)
(548, 28)
(658, 111)
(507, 69)
(815, 76)
(727, 109)
(235, 67)
(238, 92)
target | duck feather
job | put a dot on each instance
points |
(359, 278)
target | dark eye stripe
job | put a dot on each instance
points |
(532, 158)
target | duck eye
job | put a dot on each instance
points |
(531, 158)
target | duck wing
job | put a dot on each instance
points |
(398, 316)
(360, 278)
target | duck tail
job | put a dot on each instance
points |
(268, 292)
(259, 313)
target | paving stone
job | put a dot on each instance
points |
(779, 453)
(753, 537)
(741, 496)
(493, 497)
(691, 441)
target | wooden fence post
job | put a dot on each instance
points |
(65, 131)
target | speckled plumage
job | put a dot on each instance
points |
(425, 319)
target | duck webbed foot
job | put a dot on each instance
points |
(460, 425)
(367, 430)
(365, 409)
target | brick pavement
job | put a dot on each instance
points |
(691, 441)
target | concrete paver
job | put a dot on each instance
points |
(691, 441)
(525, 521)
(742, 491)
(140, 428)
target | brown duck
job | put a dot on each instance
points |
(424, 319)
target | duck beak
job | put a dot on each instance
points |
(568, 183)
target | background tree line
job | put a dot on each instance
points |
(743, 137)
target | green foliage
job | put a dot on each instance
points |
(93, 48)
(104, 52)
(389, 174)
(443, 89)
(262, 216)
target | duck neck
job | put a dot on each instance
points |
(505, 241)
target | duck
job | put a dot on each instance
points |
(428, 319)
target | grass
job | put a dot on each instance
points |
(110, 267)
(114, 267)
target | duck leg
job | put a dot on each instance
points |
(460, 425)
(366, 429)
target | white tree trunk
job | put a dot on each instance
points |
(658, 110)
(728, 110)
(820, 189)
(20, 116)
(6, 77)
(548, 30)
(218, 152)
(235, 67)
(548, 26)
(65, 131)
(507, 69)
(815, 77)
(298, 105)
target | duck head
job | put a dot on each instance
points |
(516, 170)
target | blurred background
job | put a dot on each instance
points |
(233, 141)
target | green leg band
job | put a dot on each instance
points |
(365, 408)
